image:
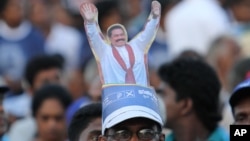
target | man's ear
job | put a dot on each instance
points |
(102, 138)
(187, 106)
(162, 137)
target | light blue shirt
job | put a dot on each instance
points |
(5, 138)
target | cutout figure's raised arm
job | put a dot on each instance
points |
(145, 38)
(96, 39)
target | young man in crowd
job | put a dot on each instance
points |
(86, 123)
(48, 108)
(43, 70)
(191, 95)
(240, 103)
(39, 71)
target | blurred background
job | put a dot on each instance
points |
(43, 41)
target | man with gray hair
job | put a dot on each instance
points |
(222, 55)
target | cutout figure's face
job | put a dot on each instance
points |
(118, 37)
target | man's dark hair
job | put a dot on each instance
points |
(113, 28)
(193, 78)
(3, 90)
(190, 54)
(82, 118)
(238, 96)
(50, 92)
(41, 63)
(3, 4)
(229, 3)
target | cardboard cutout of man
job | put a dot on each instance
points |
(120, 61)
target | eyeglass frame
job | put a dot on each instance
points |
(137, 134)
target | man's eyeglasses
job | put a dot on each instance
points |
(143, 135)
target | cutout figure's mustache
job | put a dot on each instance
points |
(120, 40)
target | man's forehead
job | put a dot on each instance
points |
(115, 27)
(114, 31)
(243, 106)
(96, 122)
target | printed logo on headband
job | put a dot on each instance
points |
(121, 94)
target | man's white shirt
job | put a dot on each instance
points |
(194, 24)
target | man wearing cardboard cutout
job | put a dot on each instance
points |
(120, 61)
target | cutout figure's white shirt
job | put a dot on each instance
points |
(110, 70)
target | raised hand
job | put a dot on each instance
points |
(89, 12)
(156, 9)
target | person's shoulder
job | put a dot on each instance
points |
(1, 25)
(181, 7)
(58, 27)
(65, 32)
(79, 103)
(169, 137)
(219, 134)
(35, 33)
(180, 12)
(5, 137)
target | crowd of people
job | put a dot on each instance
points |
(198, 65)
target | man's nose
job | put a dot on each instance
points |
(52, 123)
(134, 138)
